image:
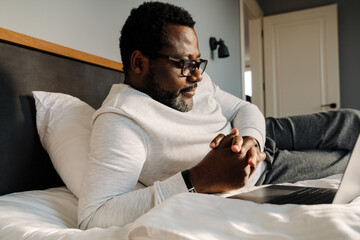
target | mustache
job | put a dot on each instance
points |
(189, 88)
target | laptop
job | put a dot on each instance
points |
(348, 190)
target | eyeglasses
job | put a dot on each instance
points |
(187, 66)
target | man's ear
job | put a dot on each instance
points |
(139, 63)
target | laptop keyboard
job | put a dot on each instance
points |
(307, 196)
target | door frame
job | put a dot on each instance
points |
(255, 15)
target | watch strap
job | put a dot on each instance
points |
(187, 180)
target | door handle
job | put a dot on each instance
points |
(331, 105)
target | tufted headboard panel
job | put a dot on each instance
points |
(28, 64)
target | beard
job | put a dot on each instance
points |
(171, 99)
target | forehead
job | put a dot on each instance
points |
(182, 41)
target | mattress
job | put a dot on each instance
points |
(52, 214)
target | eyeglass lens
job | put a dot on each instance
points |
(190, 66)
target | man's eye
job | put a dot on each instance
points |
(178, 64)
(189, 64)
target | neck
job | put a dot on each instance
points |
(134, 81)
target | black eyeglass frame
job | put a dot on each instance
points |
(184, 63)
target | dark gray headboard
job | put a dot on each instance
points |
(24, 164)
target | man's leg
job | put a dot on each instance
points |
(309, 146)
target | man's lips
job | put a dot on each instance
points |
(189, 91)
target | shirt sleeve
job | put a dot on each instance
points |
(117, 153)
(244, 116)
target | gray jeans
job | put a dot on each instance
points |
(309, 146)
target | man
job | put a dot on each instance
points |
(150, 139)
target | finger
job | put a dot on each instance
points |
(261, 157)
(248, 143)
(254, 161)
(236, 144)
(248, 171)
(216, 141)
(222, 138)
(252, 157)
(235, 131)
(228, 139)
(255, 157)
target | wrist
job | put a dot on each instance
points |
(196, 176)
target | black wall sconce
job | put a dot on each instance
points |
(223, 51)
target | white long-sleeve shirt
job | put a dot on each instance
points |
(139, 146)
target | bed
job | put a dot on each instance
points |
(47, 89)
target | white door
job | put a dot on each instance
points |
(301, 66)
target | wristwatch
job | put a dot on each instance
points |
(187, 180)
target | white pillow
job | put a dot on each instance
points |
(63, 124)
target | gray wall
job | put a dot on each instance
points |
(94, 26)
(349, 40)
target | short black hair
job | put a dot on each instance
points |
(145, 29)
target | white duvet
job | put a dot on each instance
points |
(51, 214)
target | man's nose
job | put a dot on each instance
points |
(196, 76)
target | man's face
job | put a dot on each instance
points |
(164, 81)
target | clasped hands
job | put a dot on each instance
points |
(228, 165)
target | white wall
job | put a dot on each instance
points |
(94, 26)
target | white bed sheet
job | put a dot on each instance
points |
(52, 214)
